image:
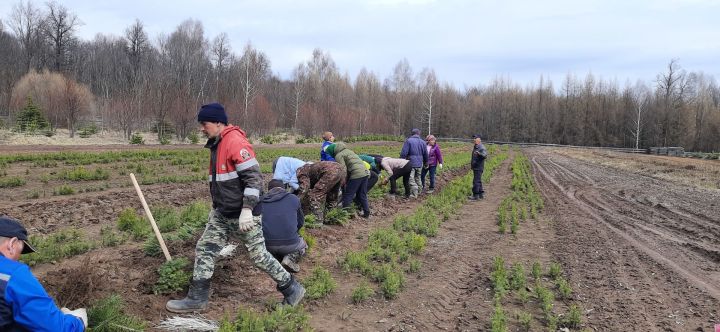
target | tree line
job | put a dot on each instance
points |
(132, 82)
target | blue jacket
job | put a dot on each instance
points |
(414, 150)
(24, 304)
(282, 217)
(324, 156)
(286, 171)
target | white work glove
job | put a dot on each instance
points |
(440, 166)
(79, 313)
(245, 222)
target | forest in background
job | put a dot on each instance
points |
(133, 82)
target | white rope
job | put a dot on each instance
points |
(182, 324)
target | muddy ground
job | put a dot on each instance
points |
(637, 237)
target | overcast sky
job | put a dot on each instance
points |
(466, 42)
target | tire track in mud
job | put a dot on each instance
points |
(648, 265)
(453, 272)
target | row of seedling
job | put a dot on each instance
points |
(389, 253)
(535, 295)
(524, 202)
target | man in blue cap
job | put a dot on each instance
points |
(24, 304)
(477, 163)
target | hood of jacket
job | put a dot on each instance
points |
(274, 195)
(339, 146)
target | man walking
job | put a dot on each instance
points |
(415, 151)
(320, 185)
(235, 185)
(477, 163)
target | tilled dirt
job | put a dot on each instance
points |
(644, 251)
(640, 252)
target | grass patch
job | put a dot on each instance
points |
(12, 182)
(107, 315)
(65, 243)
(280, 318)
(174, 276)
(362, 292)
(319, 284)
(63, 190)
(337, 216)
(129, 221)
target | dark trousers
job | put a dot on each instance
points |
(425, 171)
(356, 188)
(477, 188)
(372, 180)
(405, 173)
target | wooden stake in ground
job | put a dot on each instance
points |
(150, 217)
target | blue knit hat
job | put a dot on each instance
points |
(212, 113)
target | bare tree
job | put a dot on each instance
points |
(60, 25)
(401, 84)
(185, 58)
(428, 89)
(640, 97)
(76, 104)
(254, 71)
(671, 87)
(26, 21)
(221, 55)
(299, 78)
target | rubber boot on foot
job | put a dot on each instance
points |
(196, 299)
(292, 293)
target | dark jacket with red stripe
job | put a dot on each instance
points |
(235, 179)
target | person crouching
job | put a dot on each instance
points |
(282, 218)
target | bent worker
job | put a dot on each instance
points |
(357, 176)
(374, 169)
(282, 218)
(235, 186)
(24, 304)
(285, 170)
(396, 167)
(320, 185)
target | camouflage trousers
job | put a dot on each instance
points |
(217, 231)
(324, 194)
(415, 181)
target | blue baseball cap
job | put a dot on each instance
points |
(10, 228)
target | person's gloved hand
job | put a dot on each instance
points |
(79, 313)
(440, 166)
(245, 222)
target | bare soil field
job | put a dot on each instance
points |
(641, 245)
(636, 236)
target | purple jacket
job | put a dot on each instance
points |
(434, 155)
(414, 150)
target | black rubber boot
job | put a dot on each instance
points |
(292, 292)
(196, 299)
